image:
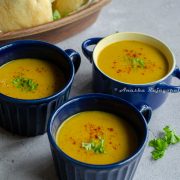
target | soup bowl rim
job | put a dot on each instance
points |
(94, 166)
(137, 34)
(20, 43)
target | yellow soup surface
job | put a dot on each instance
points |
(97, 137)
(30, 79)
(132, 62)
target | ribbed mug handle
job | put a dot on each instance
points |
(86, 44)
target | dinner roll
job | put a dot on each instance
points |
(19, 14)
(67, 6)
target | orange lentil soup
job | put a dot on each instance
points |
(132, 62)
(30, 79)
(97, 137)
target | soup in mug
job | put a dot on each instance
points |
(30, 79)
(97, 137)
(132, 62)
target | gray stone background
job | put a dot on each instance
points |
(30, 158)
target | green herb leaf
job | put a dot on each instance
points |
(161, 144)
(97, 147)
(56, 15)
(170, 136)
(136, 62)
(87, 146)
(157, 154)
(24, 84)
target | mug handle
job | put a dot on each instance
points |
(170, 88)
(86, 44)
(75, 58)
(146, 111)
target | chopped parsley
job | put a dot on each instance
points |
(56, 15)
(24, 84)
(97, 147)
(161, 144)
(137, 62)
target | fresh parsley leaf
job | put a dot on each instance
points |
(157, 154)
(161, 144)
(87, 146)
(97, 147)
(56, 15)
(24, 84)
(170, 136)
(137, 62)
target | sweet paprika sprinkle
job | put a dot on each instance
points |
(110, 129)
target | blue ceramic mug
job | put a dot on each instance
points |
(30, 117)
(153, 94)
(68, 168)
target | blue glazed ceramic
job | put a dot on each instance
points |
(30, 117)
(70, 169)
(153, 94)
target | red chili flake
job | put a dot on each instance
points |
(128, 70)
(114, 147)
(134, 55)
(142, 73)
(126, 50)
(110, 142)
(119, 70)
(139, 54)
(110, 129)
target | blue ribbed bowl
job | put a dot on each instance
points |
(30, 117)
(154, 93)
(68, 168)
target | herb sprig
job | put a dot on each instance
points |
(24, 84)
(136, 62)
(97, 147)
(161, 144)
(56, 15)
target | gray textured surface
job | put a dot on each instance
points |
(30, 158)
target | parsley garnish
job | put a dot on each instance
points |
(161, 144)
(97, 147)
(137, 62)
(24, 84)
(56, 15)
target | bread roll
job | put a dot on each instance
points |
(19, 14)
(67, 6)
